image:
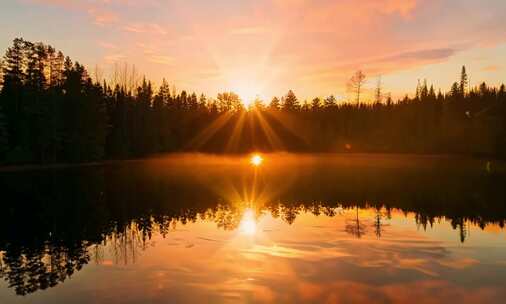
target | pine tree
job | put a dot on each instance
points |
(455, 90)
(274, 105)
(203, 102)
(418, 90)
(14, 64)
(378, 94)
(432, 93)
(424, 92)
(144, 130)
(193, 102)
(330, 102)
(36, 63)
(315, 104)
(290, 102)
(464, 81)
(13, 101)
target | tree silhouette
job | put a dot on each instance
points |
(54, 112)
(275, 104)
(3, 134)
(290, 102)
(464, 81)
(355, 227)
(356, 85)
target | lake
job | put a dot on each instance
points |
(287, 229)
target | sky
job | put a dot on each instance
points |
(265, 48)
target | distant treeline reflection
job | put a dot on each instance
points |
(54, 222)
(52, 111)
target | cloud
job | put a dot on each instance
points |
(107, 45)
(430, 54)
(103, 17)
(145, 28)
(165, 60)
(491, 68)
(114, 58)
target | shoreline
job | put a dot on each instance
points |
(38, 167)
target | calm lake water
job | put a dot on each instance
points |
(308, 229)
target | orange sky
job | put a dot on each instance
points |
(267, 47)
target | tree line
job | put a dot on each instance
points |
(52, 111)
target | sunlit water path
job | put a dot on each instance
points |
(200, 229)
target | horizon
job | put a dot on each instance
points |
(267, 48)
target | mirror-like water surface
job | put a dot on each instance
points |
(202, 229)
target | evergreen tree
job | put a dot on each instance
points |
(290, 102)
(330, 102)
(455, 90)
(12, 92)
(378, 93)
(315, 104)
(275, 104)
(464, 81)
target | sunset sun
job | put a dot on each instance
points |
(256, 160)
(247, 91)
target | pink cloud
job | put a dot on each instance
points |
(145, 28)
(491, 68)
(101, 17)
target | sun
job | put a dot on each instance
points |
(248, 87)
(248, 94)
(256, 160)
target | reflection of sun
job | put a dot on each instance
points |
(256, 160)
(248, 225)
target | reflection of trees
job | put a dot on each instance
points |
(462, 226)
(355, 227)
(125, 243)
(225, 217)
(29, 270)
(379, 226)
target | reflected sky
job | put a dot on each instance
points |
(265, 259)
(286, 243)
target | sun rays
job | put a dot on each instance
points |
(236, 122)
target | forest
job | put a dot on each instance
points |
(52, 111)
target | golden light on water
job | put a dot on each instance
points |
(256, 160)
(248, 225)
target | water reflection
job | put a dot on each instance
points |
(248, 223)
(305, 229)
(256, 160)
